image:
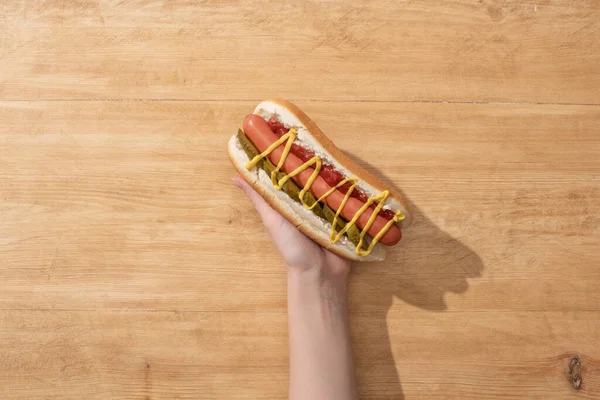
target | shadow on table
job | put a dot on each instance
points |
(425, 265)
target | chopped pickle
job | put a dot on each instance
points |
(269, 167)
(309, 199)
(291, 189)
(248, 147)
(353, 233)
(330, 215)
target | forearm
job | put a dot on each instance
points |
(321, 365)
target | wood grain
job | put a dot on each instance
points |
(131, 268)
(462, 50)
(105, 212)
(243, 355)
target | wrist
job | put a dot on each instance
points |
(316, 282)
(321, 364)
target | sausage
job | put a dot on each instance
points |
(262, 136)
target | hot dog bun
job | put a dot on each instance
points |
(310, 136)
(306, 221)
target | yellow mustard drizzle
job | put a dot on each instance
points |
(289, 138)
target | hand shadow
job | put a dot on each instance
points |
(425, 265)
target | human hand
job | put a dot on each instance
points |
(321, 364)
(300, 253)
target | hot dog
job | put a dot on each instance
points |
(257, 130)
(314, 185)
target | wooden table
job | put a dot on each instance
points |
(131, 267)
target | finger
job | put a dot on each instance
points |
(263, 208)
